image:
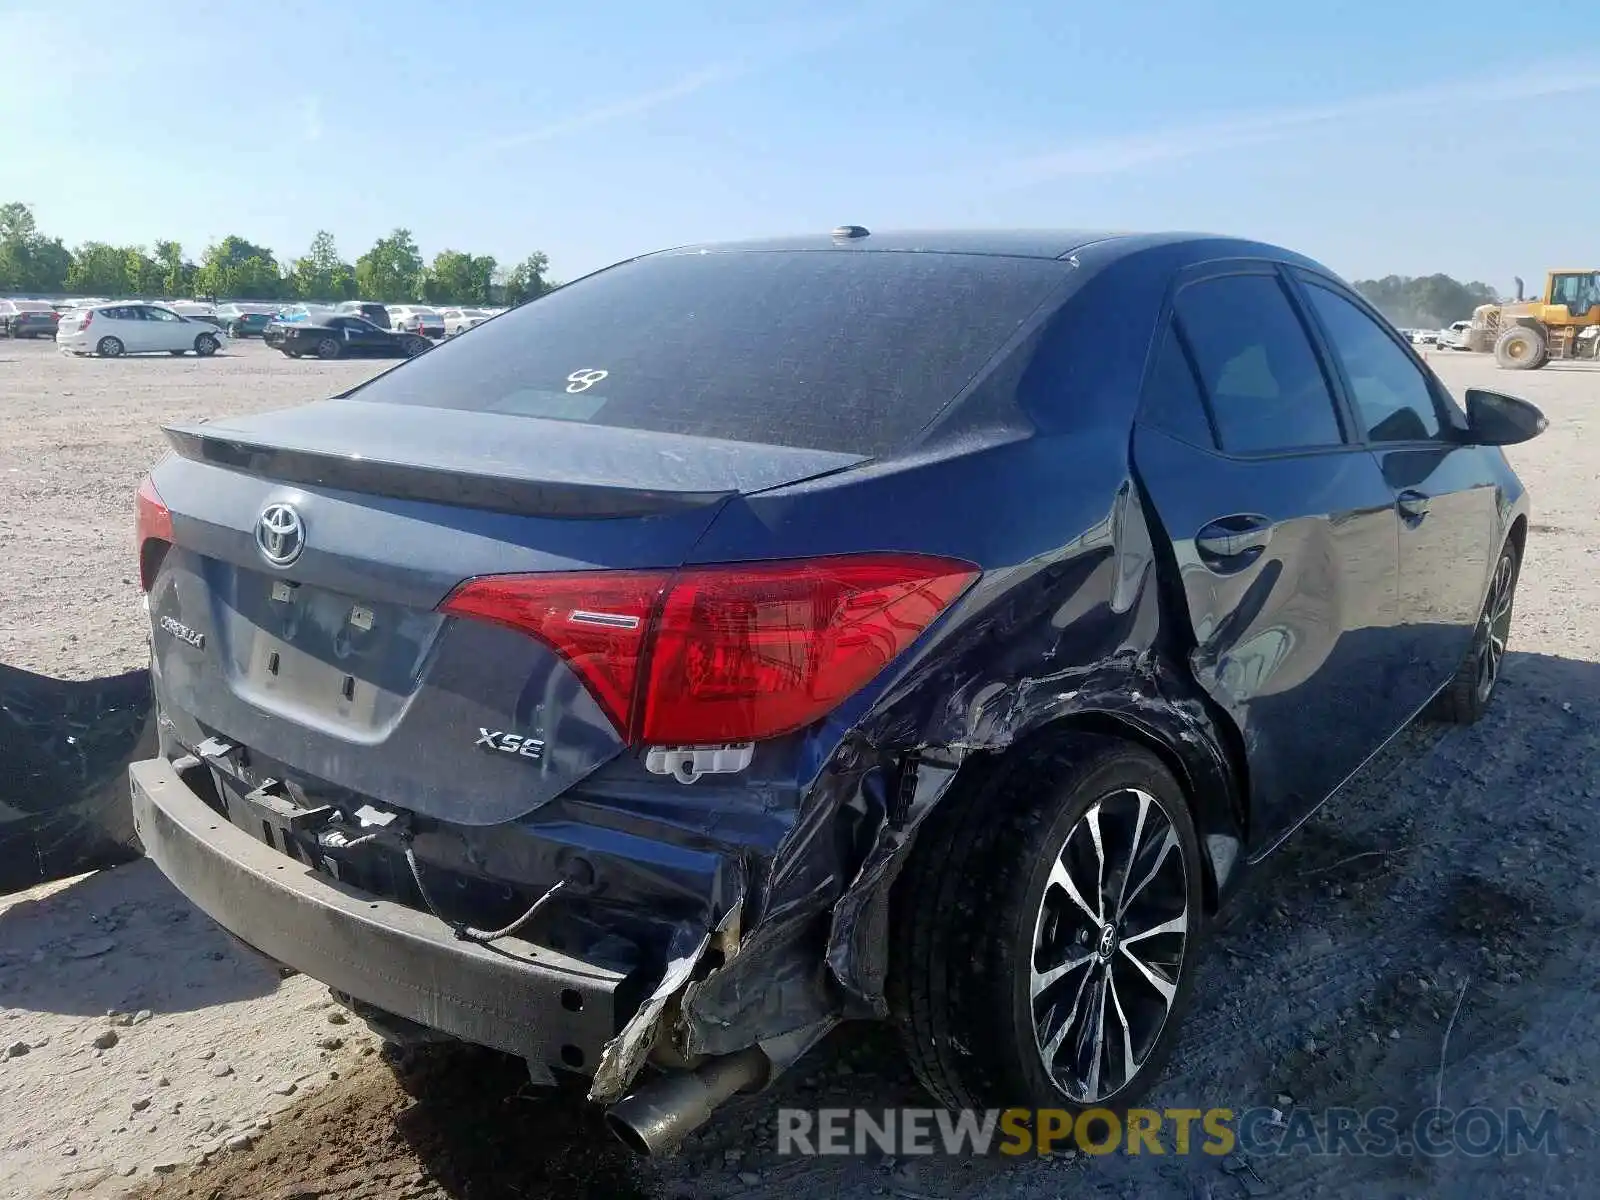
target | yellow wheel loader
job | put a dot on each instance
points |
(1527, 334)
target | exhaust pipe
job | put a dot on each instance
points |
(657, 1117)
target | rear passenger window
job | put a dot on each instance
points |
(1390, 392)
(1173, 402)
(1266, 388)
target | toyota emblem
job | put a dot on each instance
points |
(280, 534)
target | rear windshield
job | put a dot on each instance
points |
(845, 351)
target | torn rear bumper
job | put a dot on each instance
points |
(528, 1000)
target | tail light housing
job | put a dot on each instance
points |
(729, 653)
(152, 530)
(88, 319)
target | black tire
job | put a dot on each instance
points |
(206, 345)
(109, 347)
(417, 345)
(1521, 349)
(1466, 697)
(328, 348)
(970, 908)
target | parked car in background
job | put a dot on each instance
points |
(369, 309)
(416, 318)
(747, 637)
(112, 330)
(251, 324)
(1455, 337)
(207, 318)
(342, 337)
(293, 314)
(30, 323)
(459, 320)
(11, 308)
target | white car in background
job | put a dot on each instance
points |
(112, 330)
(1454, 338)
(416, 318)
(459, 320)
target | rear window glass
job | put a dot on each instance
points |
(845, 351)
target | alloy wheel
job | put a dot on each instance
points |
(1109, 945)
(1494, 627)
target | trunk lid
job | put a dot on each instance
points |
(335, 665)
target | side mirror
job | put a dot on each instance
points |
(1495, 419)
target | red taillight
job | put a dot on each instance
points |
(732, 653)
(152, 523)
(597, 621)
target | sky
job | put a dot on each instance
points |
(1378, 137)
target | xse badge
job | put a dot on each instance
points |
(510, 743)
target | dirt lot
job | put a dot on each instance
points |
(79, 435)
(1460, 869)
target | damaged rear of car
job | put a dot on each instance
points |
(588, 689)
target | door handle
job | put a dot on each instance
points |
(1233, 543)
(1412, 504)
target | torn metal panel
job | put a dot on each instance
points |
(650, 1030)
(625, 1054)
(777, 985)
(65, 746)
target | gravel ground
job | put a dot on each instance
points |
(1453, 886)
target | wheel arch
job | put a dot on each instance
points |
(1517, 535)
(1210, 777)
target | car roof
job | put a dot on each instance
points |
(1022, 243)
(1106, 246)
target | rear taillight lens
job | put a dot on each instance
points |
(153, 530)
(597, 621)
(732, 653)
(87, 318)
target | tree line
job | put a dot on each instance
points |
(393, 270)
(237, 269)
(1426, 302)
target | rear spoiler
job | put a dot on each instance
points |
(514, 464)
(406, 481)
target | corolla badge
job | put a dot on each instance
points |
(280, 534)
(183, 633)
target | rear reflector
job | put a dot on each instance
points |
(732, 653)
(152, 530)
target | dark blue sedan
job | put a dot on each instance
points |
(923, 627)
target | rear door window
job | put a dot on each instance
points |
(846, 351)
(1391, 394)
(1265, 386)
